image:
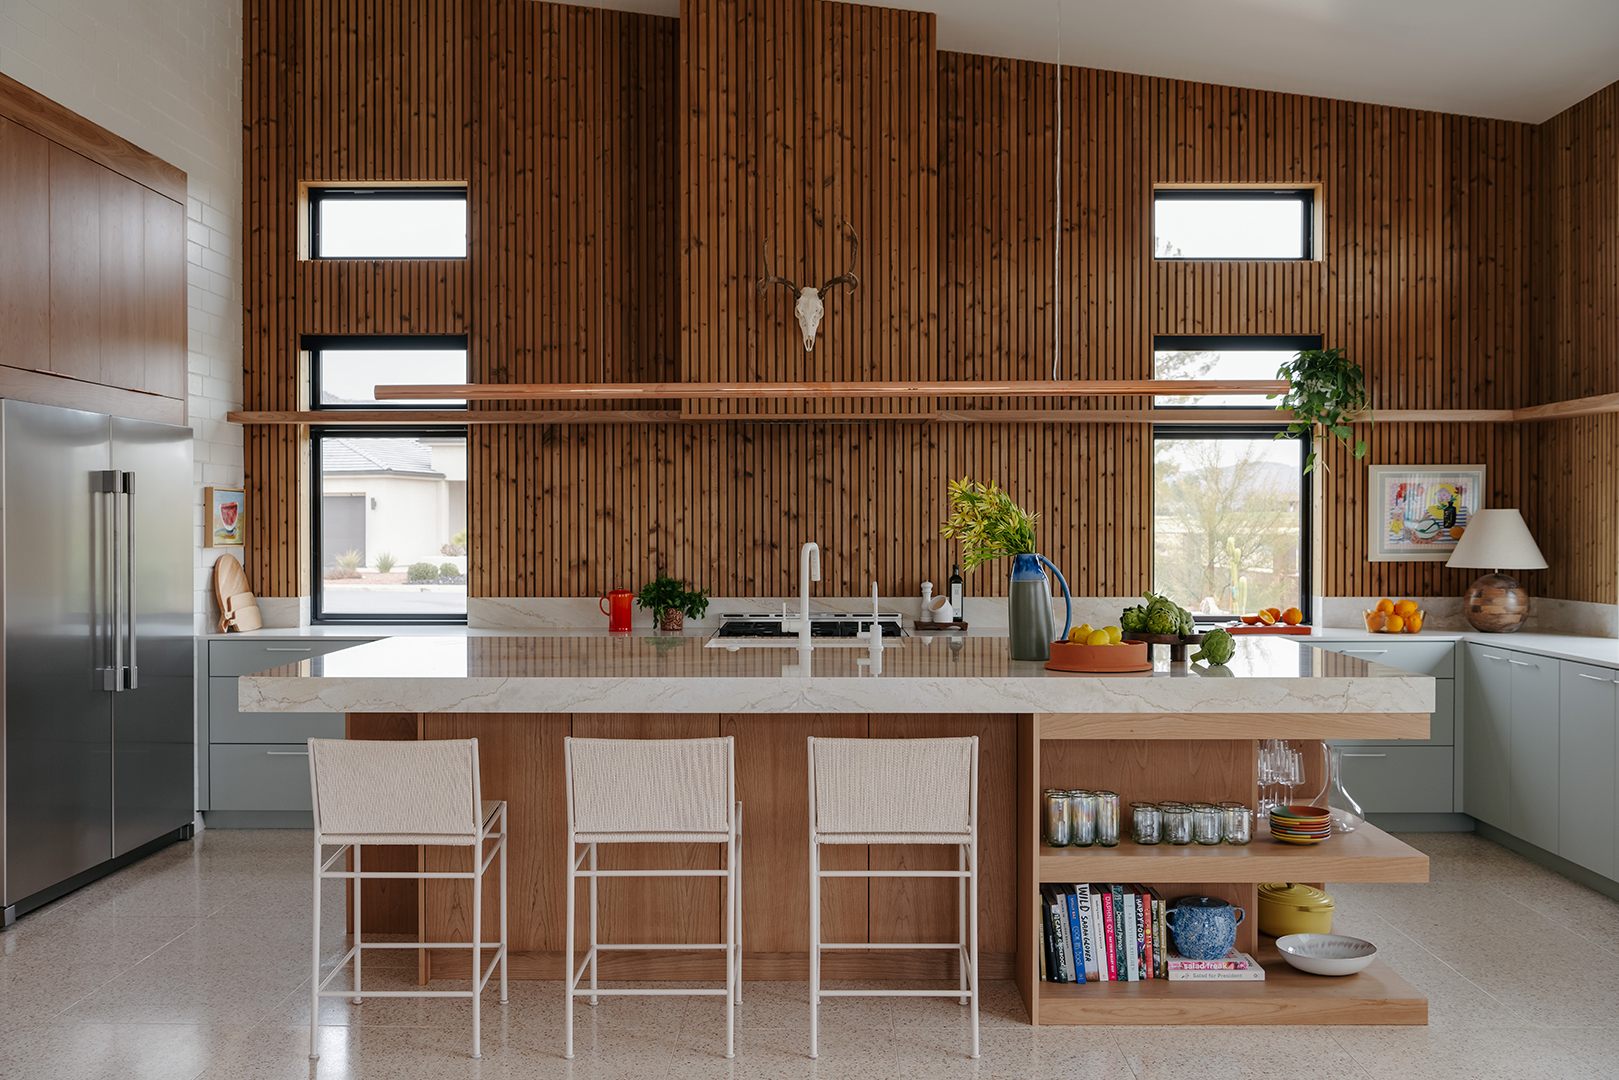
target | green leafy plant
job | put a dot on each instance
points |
(1325, 391)
(349, 563)
(664, 593)
(385, 562)
(449, 569)
(987, 523)
(421, 571)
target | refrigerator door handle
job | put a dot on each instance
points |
(134, 630)
(108, 483)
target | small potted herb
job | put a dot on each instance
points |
(1326, 390)
(671, 602)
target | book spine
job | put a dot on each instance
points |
(1117, 892)
(1045, 944)
(1098, 937)
(1163, 935)
(1053, 970)
(1254, 974)
(1076, 944)
(1207, 965)
(1132, 939)
(1144, 905)
(1107, 930)
(1059, 927)
(1082, 904)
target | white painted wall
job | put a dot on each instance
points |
(167, 76)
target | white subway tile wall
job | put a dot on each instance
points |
(167, 76)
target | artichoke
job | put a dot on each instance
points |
(1164, 616)
(1133, 620)
(1218, 648)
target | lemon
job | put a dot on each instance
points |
(1114, 634)
(1080, 633)
(1099, 637)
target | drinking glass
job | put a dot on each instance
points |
(1107, 818)
(1146, 822)
(1237, 824)
(1177, 824)
(1082, 818)
(1057, 824)
(1206, 822)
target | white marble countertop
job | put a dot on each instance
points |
(642, 673)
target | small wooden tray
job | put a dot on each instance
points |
(1177, 642)
(1125, 656)
(923, 627)
(1260, 628)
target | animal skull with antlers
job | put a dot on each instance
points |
(810, 305)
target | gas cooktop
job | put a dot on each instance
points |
(823, 624)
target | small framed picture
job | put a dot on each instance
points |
(226, 524)
(1418, 513)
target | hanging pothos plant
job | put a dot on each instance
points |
(1325, 391)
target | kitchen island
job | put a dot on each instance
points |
(1178, 731)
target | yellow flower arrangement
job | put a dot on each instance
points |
(988, 524)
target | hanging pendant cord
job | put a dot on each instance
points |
(1056, 246)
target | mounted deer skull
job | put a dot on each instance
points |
(810, 305)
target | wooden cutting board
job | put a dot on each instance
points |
(238, 607)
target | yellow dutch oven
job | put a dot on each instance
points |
(1287, 908)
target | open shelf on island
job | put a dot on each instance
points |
(1287, 996)
(1367, 854)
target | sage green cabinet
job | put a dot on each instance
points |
(1534, 737)
(1588, 770)
(1487, 736)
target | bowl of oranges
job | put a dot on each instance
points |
(1394, 617)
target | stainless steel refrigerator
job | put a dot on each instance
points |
(95, 613)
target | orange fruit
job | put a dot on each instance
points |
(1267, 618)
(1250, 620)
(1385, 605)
(1394, 624)
(1275, 613)
(1292, 616)
(1405, 608)
(1456, 532)
(1414, 623)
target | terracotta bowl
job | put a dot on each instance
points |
(1125, 656)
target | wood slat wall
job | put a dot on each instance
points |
(626, 169)
(1575, 506)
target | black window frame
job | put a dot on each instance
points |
(1227, 342)
(362, 192)
(1306, 196)
(315, 345)
(1193, 430)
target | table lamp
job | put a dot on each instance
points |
(1496, 603)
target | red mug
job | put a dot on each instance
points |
(616, 606)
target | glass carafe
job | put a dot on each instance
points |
(1346, 812)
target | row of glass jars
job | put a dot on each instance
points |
(1081, 818)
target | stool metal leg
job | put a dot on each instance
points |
(738, 896)
(815, 948)
(961, 918)
(359, 937)
(972, 933)
(314, 969)
(567, 952)
(477, 948)
(505, 949)
(593, 943)
(730, 946)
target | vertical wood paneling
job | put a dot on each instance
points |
(626, 171)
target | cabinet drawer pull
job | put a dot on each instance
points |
(1363, 755)
(1593, 678)
(1487, 656)
(272, 648)
(1523, 663)
(287, 753)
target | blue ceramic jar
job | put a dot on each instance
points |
(1205, 928)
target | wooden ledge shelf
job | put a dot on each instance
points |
(1367, 854)
(1287, 996)
(761, 391)
(1256, 725)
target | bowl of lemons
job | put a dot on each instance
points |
(1098, 649)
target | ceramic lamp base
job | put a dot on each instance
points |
(1496, 604)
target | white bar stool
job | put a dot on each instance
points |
(896, 791)
(404, 793)
(653, 791)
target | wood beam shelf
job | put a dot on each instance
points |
(1367, 854)
(761, 391)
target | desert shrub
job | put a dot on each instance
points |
(449, 569)
(421, 571)
(385, 562)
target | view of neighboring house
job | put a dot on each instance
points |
(404, 497)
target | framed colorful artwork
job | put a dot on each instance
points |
(1419, 512)
(226, 526)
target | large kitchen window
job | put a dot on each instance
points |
(387, 222)
(1231, 502)
(390, 502)
(1233, 223)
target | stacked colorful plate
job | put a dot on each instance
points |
(1300, 824)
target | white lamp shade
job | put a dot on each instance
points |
(1497, 539)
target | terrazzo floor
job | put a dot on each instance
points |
(193, 963)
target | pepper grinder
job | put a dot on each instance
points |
(927, 602)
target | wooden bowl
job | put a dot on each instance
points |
(1125, 656)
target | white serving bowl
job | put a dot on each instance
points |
(1326, 954)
